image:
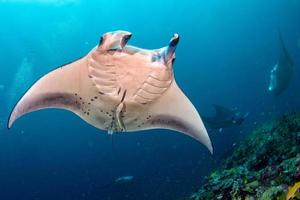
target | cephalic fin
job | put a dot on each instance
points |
(115, 40)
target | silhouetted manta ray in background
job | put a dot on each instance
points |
(282, 72)
(118, 88)
(224, 117)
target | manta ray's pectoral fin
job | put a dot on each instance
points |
(174, 111)
(57, 89)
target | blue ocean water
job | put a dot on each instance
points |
(225, 55)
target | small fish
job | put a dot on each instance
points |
(124, 179)
(120, 181)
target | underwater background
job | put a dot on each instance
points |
(225, 55)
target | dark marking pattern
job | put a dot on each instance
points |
(142, 123)
(166, 121)
(59, 100)
(84, 106)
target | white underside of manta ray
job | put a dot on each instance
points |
(118, 88)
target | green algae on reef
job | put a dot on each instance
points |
(261, 168)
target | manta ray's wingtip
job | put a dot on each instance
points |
(9, 125)
(201, 135)
(11, 119)
(206, 141)
(210, 147)
(211, 150)
(207, 144)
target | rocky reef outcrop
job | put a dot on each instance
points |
(261, 168)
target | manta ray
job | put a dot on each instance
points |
(118, 88)
(224, 117)
(281, 73)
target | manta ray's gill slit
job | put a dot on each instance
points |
(147, 95)
(158, 83)
(148, 99)
(159, 80)
(150, 92)
(152, 88)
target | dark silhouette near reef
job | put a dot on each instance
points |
(224, 117)
(282, 72)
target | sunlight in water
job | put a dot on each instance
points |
(53, 2)
(22, 80)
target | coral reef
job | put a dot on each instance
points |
(261, 167)
(293, 191)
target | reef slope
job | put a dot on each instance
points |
(261, 167)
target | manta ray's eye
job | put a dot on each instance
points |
(156, 57)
